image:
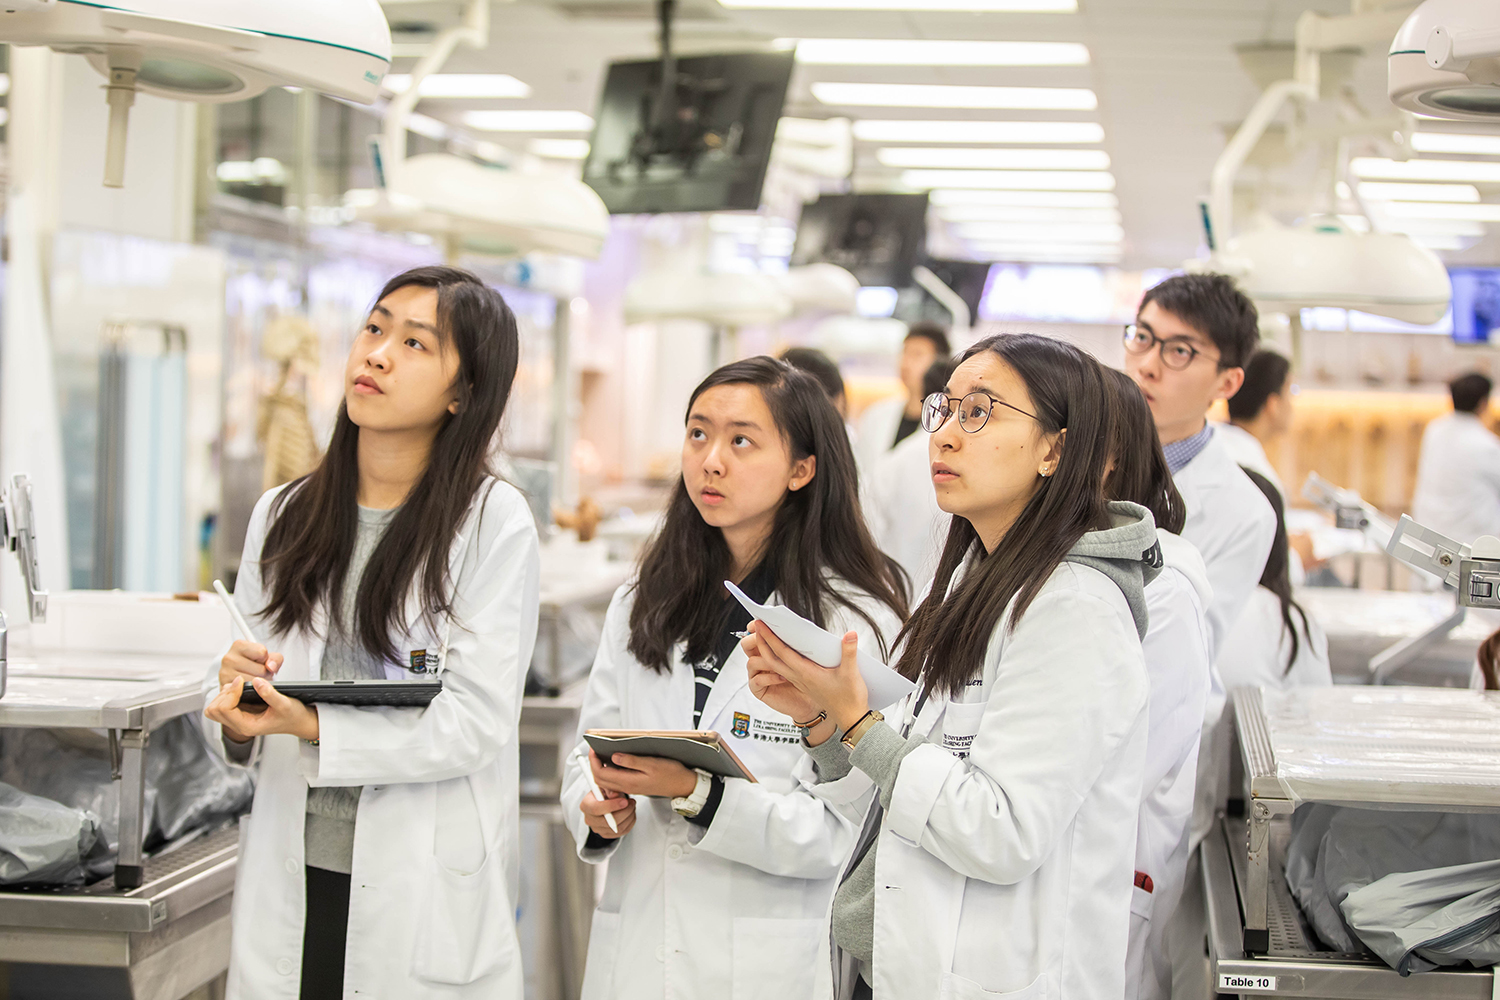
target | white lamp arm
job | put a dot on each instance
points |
(1452, 48)
(474, 32)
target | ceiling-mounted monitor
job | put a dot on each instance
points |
(879, 237)
(1476, 304)
(699, 146)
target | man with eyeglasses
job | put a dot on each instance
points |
(1192, 336)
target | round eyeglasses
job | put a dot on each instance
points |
(1176, 353)
(973, 411)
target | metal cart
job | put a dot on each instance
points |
(163, 921)
(1259, 942)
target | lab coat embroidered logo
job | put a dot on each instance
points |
(419, 661)
(741, 725)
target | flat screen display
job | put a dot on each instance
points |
(879, 237)
(1476, 304)
(707, 153)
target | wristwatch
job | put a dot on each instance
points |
(864, 725)
(692, 805)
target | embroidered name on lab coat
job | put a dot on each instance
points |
(768, 731)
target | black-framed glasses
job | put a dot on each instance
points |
(973, 411)
(1176, 353)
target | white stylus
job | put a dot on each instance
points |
(234, 612)
(588, 772)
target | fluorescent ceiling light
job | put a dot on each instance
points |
(1001, 159)
(1047, 199)
(1453, 142)
(560, 149)
(1011, 180)
(1377, 191)
(1069, 252)
(930, 95)
(1488, 212)
(880, 130)
(459, 85)
(1435, 227)
(1439, 242)
(529, 121)
(985, 6)
(989, 232)
(925, 52)
(1425, 170)
(1010, 213)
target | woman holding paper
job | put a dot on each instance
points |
(380, 857)
(1001, 846)
(719, 887)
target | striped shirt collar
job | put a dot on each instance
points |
(1180, 453)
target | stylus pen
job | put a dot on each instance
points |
(234, 612)
(588, 773)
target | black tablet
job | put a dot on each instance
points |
(399, 694)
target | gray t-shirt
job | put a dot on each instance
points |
(329, 831)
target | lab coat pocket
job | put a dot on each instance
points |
(960, 727)
(465, 928)
(1141, 902)
(777, 957)
(604, 947)
(951, 987)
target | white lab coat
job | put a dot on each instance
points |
(1258, 647)
(902, 509)
(877, 431)
(1008, 872)
(1458, 478)
(1232, 525)
(736, 910)
(1247, 451)
(436, 843)
(1178, 663)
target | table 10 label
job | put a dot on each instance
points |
(1246, 984)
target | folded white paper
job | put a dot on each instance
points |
(886, 687)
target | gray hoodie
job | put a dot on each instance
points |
(1127, 553)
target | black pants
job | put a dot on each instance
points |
(323, 935)
(862, 989)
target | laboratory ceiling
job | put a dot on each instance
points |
(1170, 76)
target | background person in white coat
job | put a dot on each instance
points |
(1276, 643)
(902, 508)
(1458, 472)
(1001, 860)
(1179, 664)
(1260, 412)
(715, 887)
(381, 856)
(885, 423)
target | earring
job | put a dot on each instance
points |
(1046, 471)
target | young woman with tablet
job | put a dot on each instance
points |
(720, 887)
(381, 853)
(998, 857)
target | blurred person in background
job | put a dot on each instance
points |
(1458, 473)
(887, 422)
(823, 368)
(900, 502)
(1259, 414)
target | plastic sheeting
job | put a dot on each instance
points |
(44, 842)
(1387, 746)
(1419, 889)
(187, 786)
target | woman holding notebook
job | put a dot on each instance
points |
(719, 887)
(380, 855)
(1001, 844)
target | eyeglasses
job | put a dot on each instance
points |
(973, 411)
(1176, 353)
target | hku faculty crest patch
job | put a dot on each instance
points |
(419, 661)
(741, 725)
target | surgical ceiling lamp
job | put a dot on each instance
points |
(1445, 61)
(209, 50)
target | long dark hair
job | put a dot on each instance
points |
(1277, 577)
(945, 639)
(314, 520)
(818, 530)
(1140, 474)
